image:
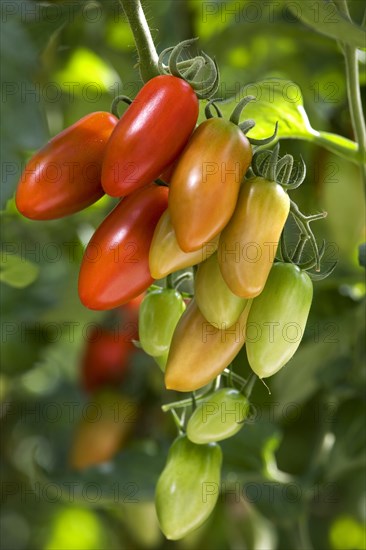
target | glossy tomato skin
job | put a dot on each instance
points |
(249, 242)
(180, 499)
(219, 416)
(205, 183)
(277, 319)
(65, 175)
(150, 135)
(214, 298)
(97, 439)
(159, 314)
(115, 266)
(105, 358)
(165, 254)
(199, 351)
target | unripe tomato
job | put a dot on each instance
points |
(205, 183)
(188, 487)
(219, 416)
(105, 358)
(214, 298)
(98, 438)
(277, 319)
(166, 256)
(249, 242)
(199, 351)
(64, 176)
(150, 135)
(160, 312)
(115, 266)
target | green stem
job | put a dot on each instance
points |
(170, 281)
(188, 402)
(148, 57)
(184, 402)
(296, 257)
(250, 385)
(229, 373)
(303, 223)
(177, 422)
(355, 104)
(354, 92)
(182, 278)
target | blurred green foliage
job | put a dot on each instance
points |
(301, 461)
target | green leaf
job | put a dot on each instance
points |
(324, 17)
(17, 272)
(279, 100)
(338, 145)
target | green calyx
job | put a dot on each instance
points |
(115, 104)
(282, 170)
(201, 72)
(267, 164)
(306, 236)
(246, 386)
(244, 126)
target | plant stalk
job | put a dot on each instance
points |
(355, 103)
(354, 93)
(148, 56)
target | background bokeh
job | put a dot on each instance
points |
(297, 470)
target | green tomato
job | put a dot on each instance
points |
(214, 298)
(277, 319)
(159, 314)
(219, 416)
(188, 487)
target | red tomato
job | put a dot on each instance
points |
(150, 135)
(105, 358)
(115, 266)
(64, 176)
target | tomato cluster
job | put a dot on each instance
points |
(197, 200)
